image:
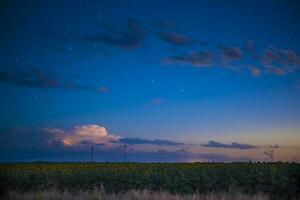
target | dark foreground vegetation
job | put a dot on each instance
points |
(275, 180)
(54, 194)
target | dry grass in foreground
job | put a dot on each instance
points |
(130, 195)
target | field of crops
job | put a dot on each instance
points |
(276, 179)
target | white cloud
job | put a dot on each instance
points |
(93, 134)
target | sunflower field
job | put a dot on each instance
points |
(276, 179)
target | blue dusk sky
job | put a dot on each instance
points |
(176, 81)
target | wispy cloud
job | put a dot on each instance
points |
(37, 78)
(275, 146)
(131, 36)
(156, 101)
(272, 60)
(291, 57)
(233, 145)
(280, 61)
(275, 70)
(175, 38)
(229, 53)
(255, 71)
(146, 141)
(271, 56)
(196, 59)
(103, 89)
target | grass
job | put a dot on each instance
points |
(54, 194)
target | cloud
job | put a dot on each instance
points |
(274, 146)
(196, 59)
(233, 145)
(168, 35)
(175, 38)
(98, 135)
(280, 61)
(271, 56)
(230, 53)
(103, 89)
(275, 70)
(30, 78)
(131, 36)
(156, 101)
(146, 141)
(38, 79)
(255, 71)
(291, 57)
(273, 60)
(89, 134)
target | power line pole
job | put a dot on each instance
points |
(92, 153)
(125, 152)
(270, 154)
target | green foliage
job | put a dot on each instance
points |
(277, 179)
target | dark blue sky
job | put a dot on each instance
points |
(189, 71)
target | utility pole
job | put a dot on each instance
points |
(125, 152)
(92, 153)
(270, 154)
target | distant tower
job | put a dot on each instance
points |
(125, 152)
(92, 153)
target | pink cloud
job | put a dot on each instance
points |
(93, 134)
(255, 71)
(276, 70)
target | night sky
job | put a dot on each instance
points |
(177, 81)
